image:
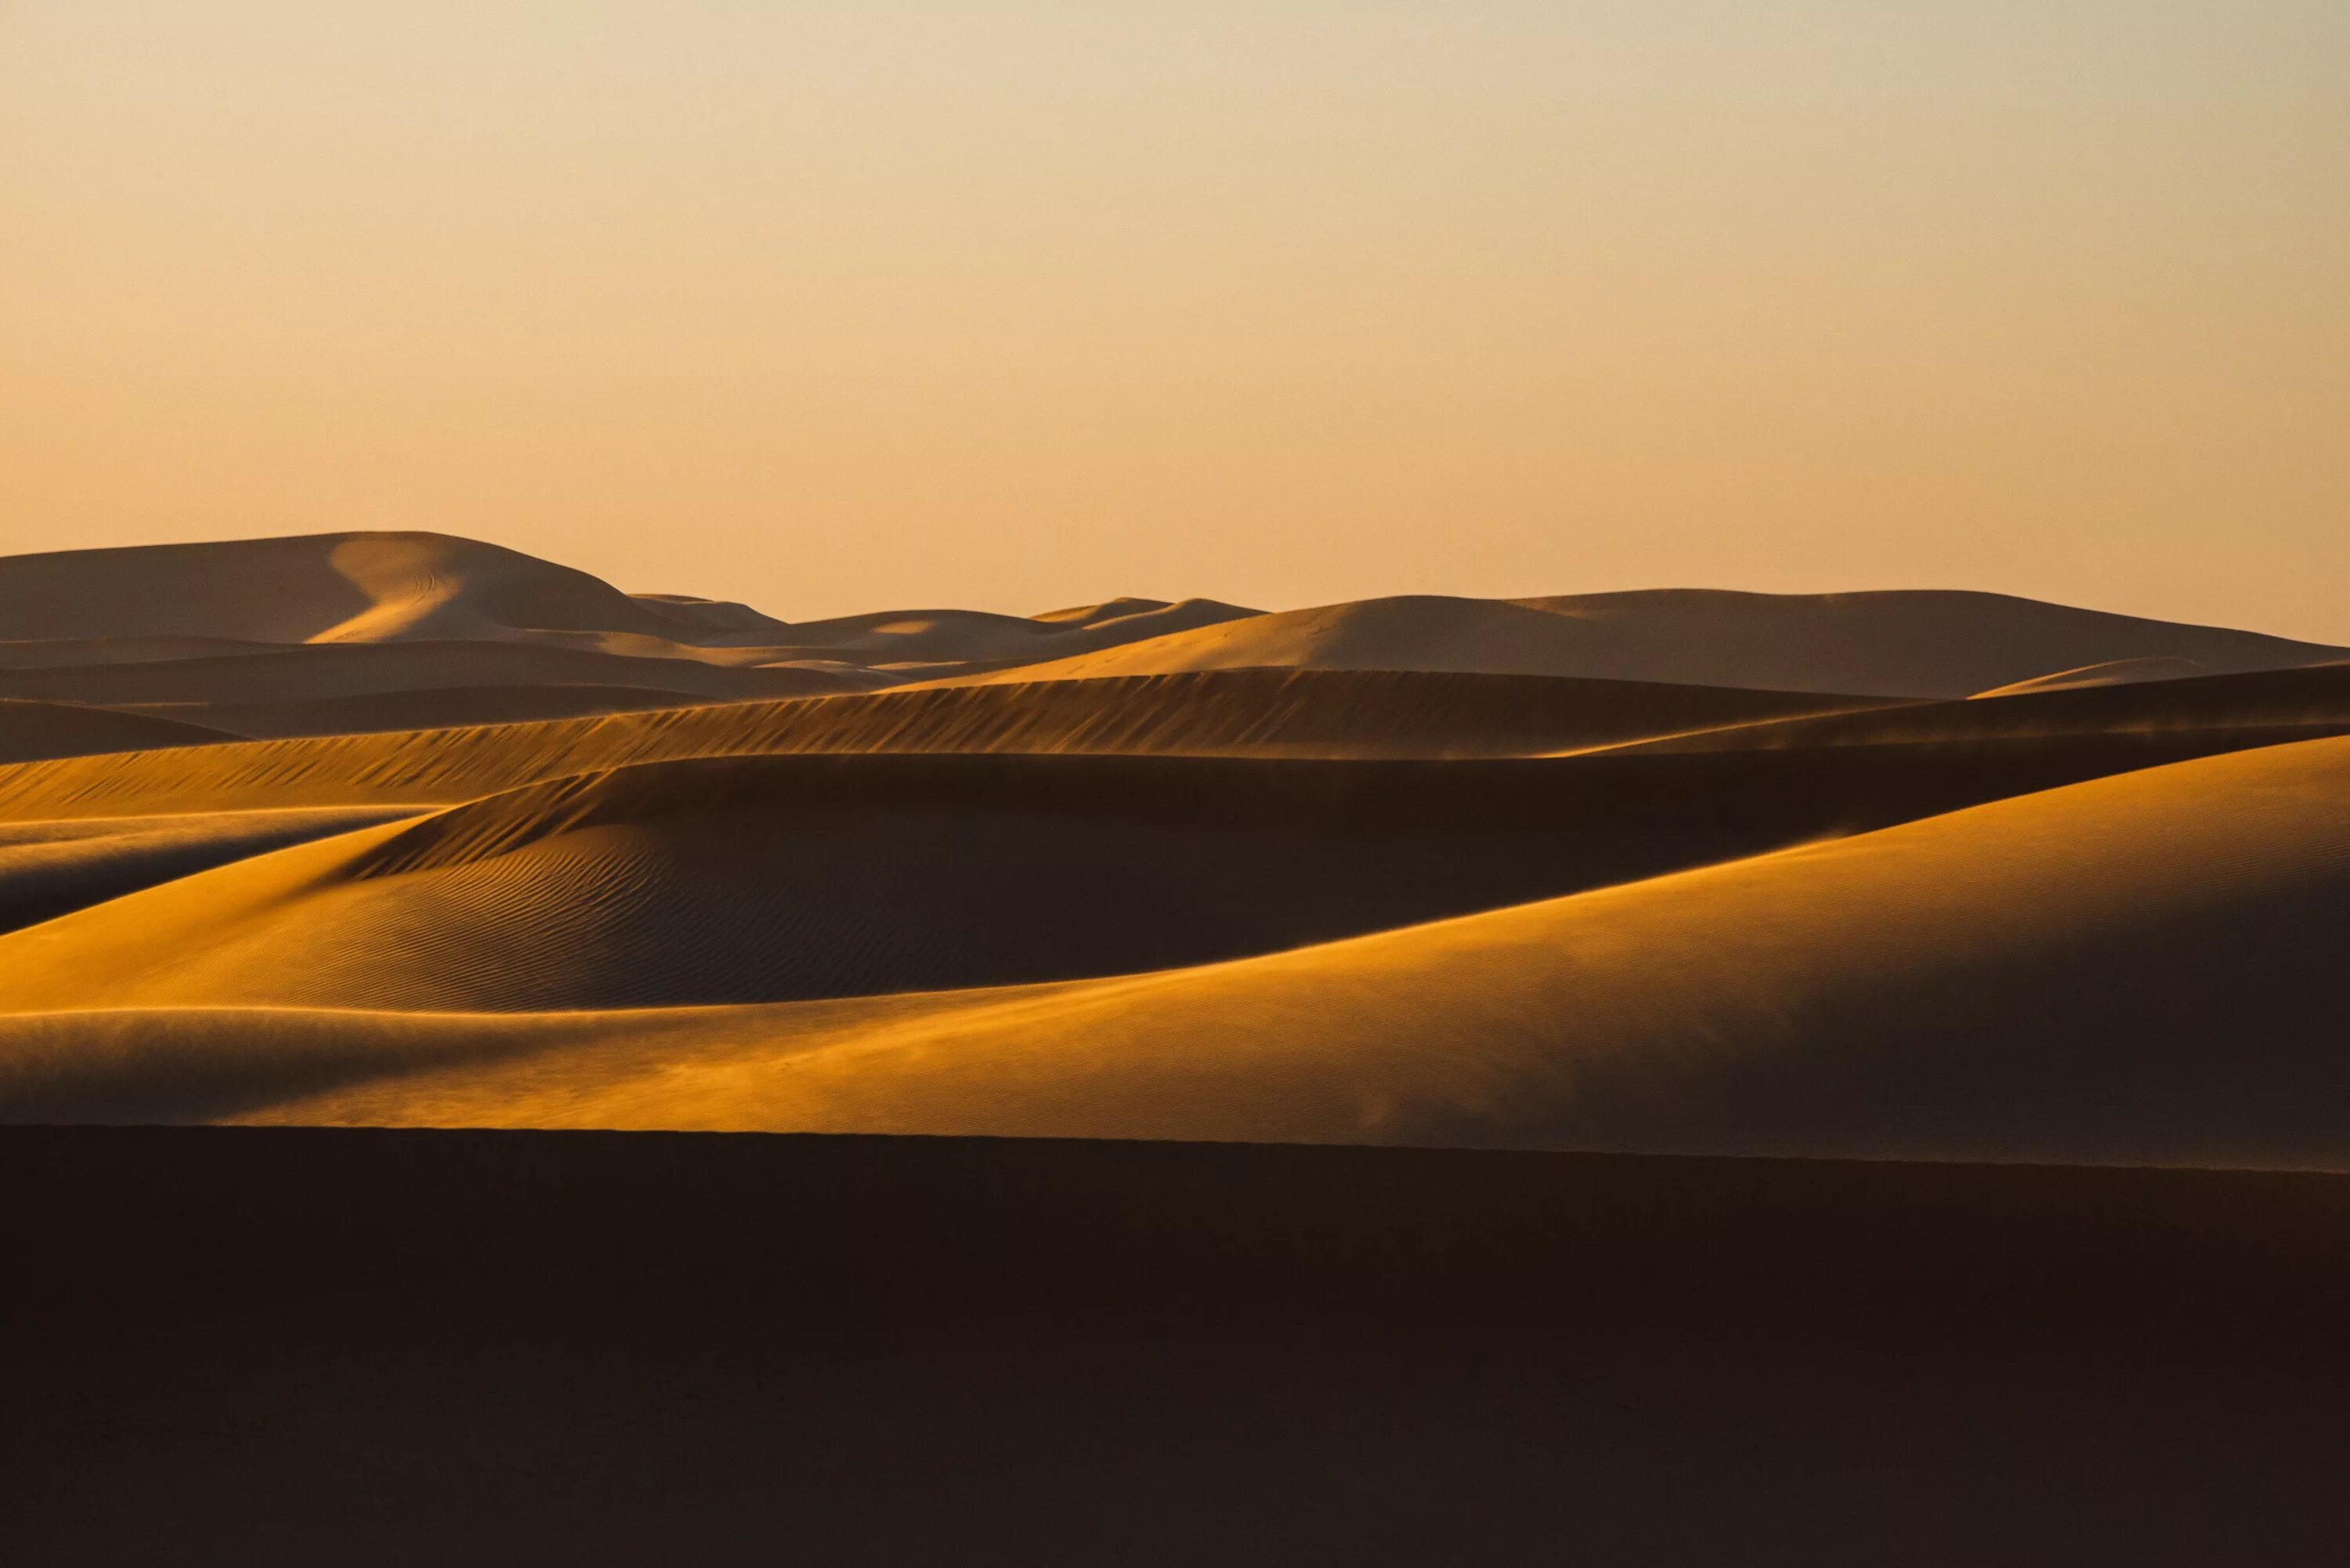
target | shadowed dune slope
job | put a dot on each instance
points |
(51, 653)
(1276, 712)
(453, 707)
(49, 868)
(332, 671)
(2137, 968)
(1899, 644)
(36, 731)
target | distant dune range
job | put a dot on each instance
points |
(1906, 876)
(1921, 644)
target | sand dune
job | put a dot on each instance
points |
(150, 603)
(762, 879)
(1907, 644)
(1416, 870)
(157, 604)
(2020, 979)
(1741, 1050)
(1306, 713)
(340, 587)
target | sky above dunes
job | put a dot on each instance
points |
(830, 306)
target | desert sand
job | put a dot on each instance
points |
(1428, 871)
(1897, 909)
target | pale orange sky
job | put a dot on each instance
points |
(835, 306)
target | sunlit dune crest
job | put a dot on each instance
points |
(2112, 672)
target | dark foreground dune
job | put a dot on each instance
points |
(262, 1346)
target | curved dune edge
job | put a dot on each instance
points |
(2110, 673)
(32, 731)
(2042, 978)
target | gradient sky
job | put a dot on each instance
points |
(838, 306)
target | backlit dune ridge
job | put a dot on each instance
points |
(1885, 876)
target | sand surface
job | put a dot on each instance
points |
(1860, 1076)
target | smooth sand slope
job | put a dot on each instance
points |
(31, 731)
(1903, 643)
(2043, 977)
